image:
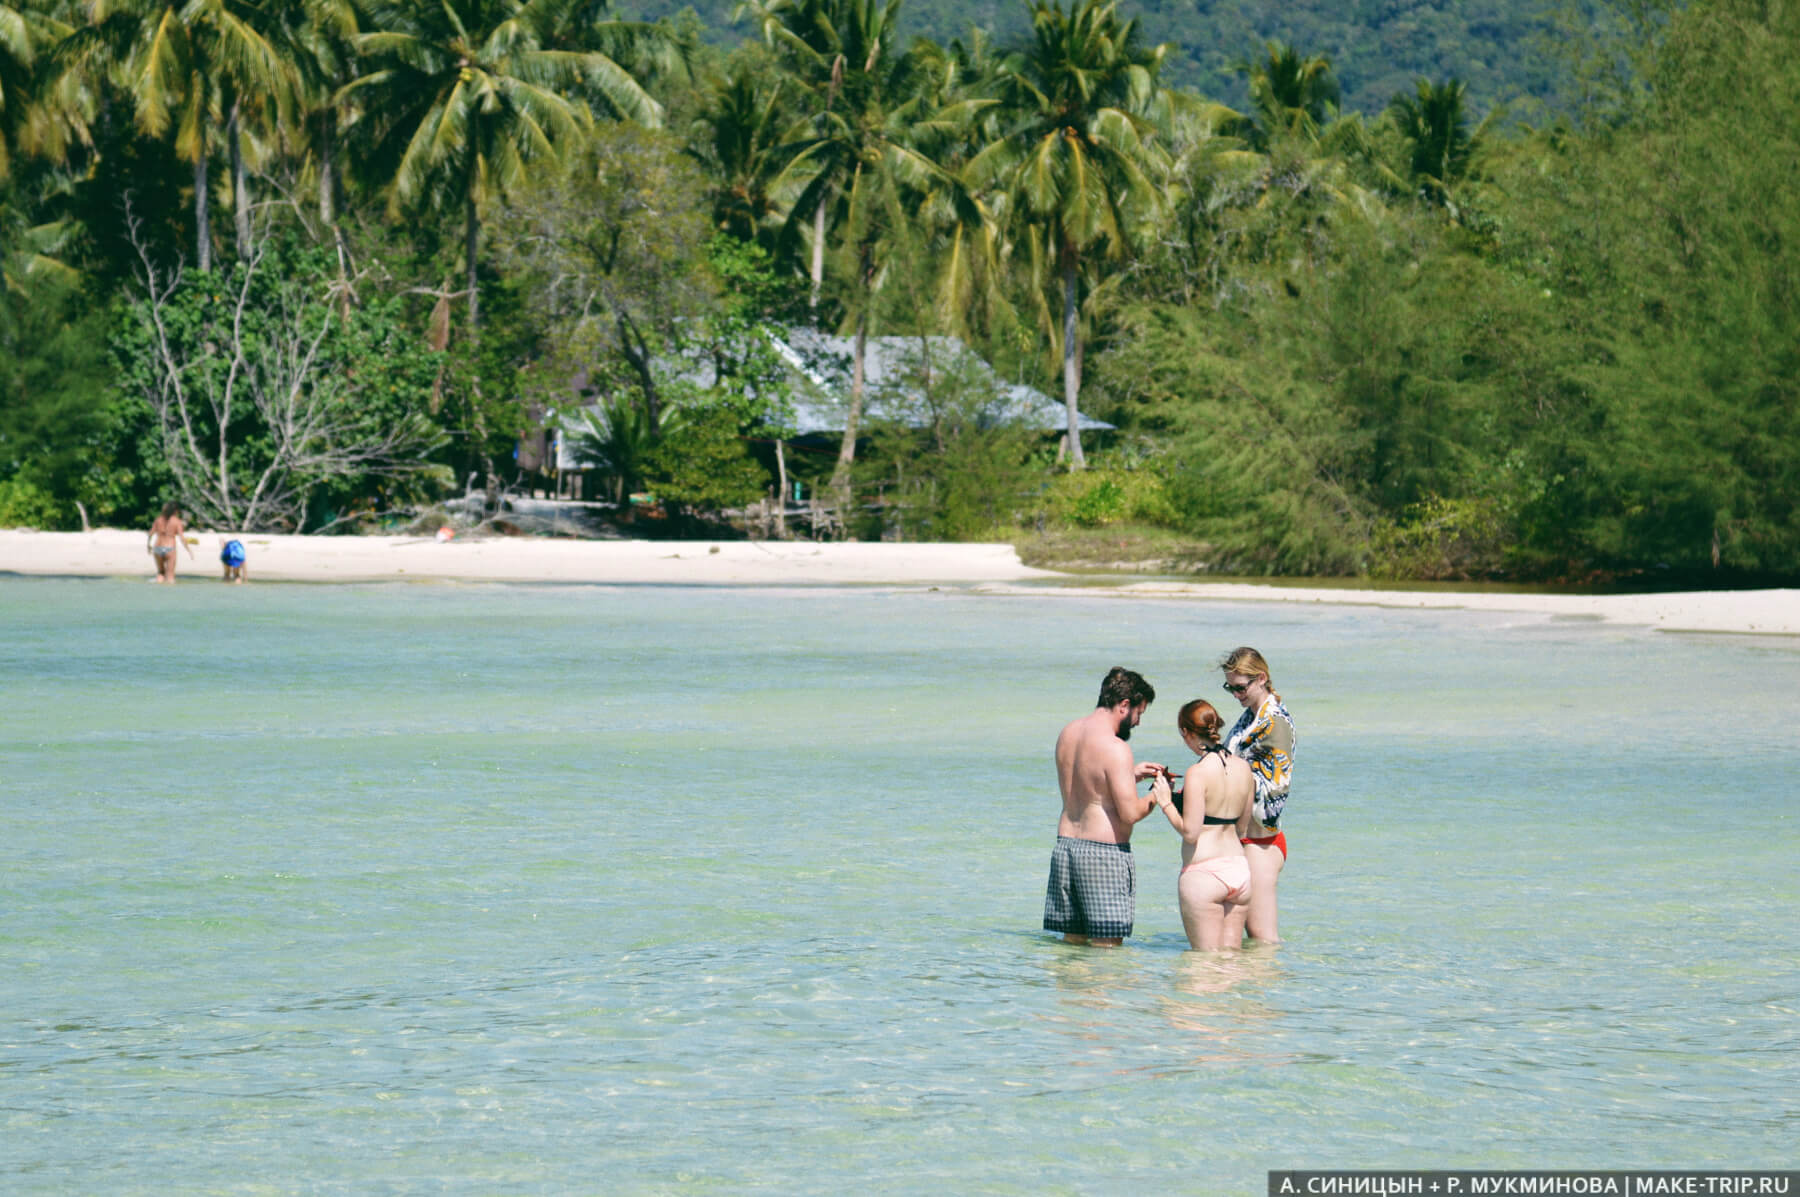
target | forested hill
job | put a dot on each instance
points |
(1504, 50)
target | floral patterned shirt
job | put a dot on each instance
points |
(1265, 738)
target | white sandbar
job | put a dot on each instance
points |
(990, 568)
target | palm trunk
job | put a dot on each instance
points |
(818, 256)
(472, 238)
(840, 476)
(1071, 365)
(328, 213)
(240, 183)
(781, 493)
(202, 226)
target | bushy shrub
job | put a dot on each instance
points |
(702, 462)
(1094, 498)
(1441, 540)
(23, 505)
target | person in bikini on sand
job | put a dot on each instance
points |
(1091, 896)
(165, 533)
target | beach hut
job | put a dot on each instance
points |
(909, 381)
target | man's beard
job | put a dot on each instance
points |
(1124, 732)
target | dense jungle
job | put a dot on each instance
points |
(1431, 292)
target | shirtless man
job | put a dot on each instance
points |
(165, 533)
(1092, 894)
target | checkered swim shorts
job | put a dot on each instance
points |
(1092, 889)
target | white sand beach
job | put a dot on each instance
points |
(986, 568)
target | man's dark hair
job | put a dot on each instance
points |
(1122, 685)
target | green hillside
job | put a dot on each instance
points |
(1505, 50)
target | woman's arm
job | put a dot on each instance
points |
(1160, 794)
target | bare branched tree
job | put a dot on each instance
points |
(256, 408)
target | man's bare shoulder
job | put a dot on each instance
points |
(1094, 736)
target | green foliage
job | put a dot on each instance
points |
(1099, 496)
(1403, 343)
(264, 389)
(615, 437)
(1504, 50)
(23, 505)
(64, 433)
(947, 468)
(1672, 272)
(1441, 540)
(702, 463)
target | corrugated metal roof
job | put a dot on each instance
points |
(901, 377)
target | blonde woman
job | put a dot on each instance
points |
(1216, 796)
(1264, 737)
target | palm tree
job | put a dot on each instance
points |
(1291, 94)
(616, 436)
(460, 97)
(743, 125)
(195, 65)
(324, 60)
(17, 58)
(857, 164)
(1434, 122)
(842, 53)
(1072, 161)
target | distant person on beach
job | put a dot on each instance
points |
(1092, 893)
(1264, 737)
(231, 561)
(165, 533)
(1216, 794)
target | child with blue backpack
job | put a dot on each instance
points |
(231, 557)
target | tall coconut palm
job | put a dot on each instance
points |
(324, 59)
(1077, 104)
(203, 66)
(1435, 124)
(857, 165)
(458, 99)
(842, 53)
(1290, 94)
(738, 134)
(17, 57)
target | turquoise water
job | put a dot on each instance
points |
(491, 889)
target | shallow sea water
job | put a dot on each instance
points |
(484, 889)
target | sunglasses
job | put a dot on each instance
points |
(1237, 689)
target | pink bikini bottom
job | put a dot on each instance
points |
(1233, 872)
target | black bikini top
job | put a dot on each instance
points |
(1215, 820)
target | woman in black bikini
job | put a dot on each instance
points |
(1216, 796)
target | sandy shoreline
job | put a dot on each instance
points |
(987, 568)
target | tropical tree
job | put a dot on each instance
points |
(1435, 125)
(616, 437)
(324, 60)
(1072, 161)
(17, 56)
(856, 164)
(738, 134)
(205, 67)
(459, 99)
(1290, 94)
(840, 52)
(261, 394)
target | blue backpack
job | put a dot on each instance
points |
(233, 553)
